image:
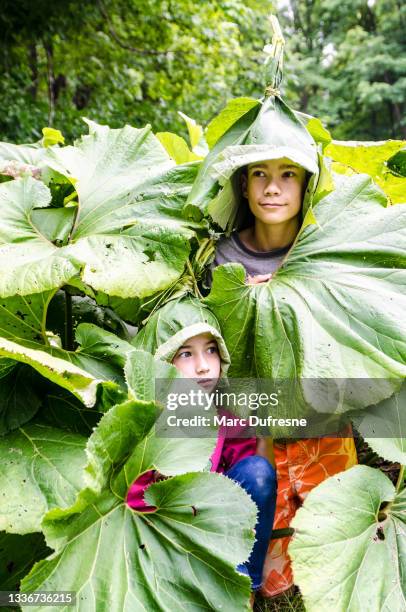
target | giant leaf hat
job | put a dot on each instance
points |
(180, 319)
(265, 129)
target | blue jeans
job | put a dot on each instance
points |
(258, 478)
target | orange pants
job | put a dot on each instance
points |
(300, 466)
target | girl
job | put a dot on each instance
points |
(187, 335)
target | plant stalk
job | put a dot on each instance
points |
(401, 479)
(68, 322)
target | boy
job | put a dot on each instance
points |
(274, 190)
(186, 334)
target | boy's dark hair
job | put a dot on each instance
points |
(244, 217)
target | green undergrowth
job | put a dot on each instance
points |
(284, 603)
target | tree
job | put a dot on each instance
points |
(120, 62)
(346, 58)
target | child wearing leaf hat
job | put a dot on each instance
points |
(186, 334)
(258, 183)
(275, 183)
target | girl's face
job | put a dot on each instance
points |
(274, 189)
(199, 358)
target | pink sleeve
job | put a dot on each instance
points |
(234, 446)
(235, 449)
(135, 495)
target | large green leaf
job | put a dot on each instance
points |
(30, 263)
(349, 548)
(27, 154)
(99, 358)
(183, 554)
(232, 112)
(97, 342)
(22, 318)
(142, 372)
(100, 353)
(177, 147)
(60, 371)
(95, 371)
(206, 187)
(129, 233)
(54, 224)
(41, 468)
(383, 427)
(18, 160)
(151, 379)
(335, 309)
(197, 140)
(371, 158)
(61, 410)
(20, 398)
(84, 310)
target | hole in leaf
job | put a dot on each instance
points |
(142, 546)
(194, 510)
(382, 513)
(380, 534)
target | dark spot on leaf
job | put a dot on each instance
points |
(20, 315)
(380, 534)
(142, 546)
(108, 246)
(194, 511)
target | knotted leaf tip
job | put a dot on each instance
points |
(274, 59)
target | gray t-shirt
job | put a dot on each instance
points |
(232, 250)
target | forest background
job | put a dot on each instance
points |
(142, 61)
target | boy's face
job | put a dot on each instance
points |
(199, 358)
(274, 189)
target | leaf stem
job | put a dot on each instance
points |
(193, 280)
(68, 322)
(44, 316)
(401, 479)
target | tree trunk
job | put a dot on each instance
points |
(33, 63)
(51, 80)
(395, 112)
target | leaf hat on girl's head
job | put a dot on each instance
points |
(267, 130)
(180, 319)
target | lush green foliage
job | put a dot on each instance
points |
(95, 236)
(142, 62)
(124, 61)
(345, 64)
